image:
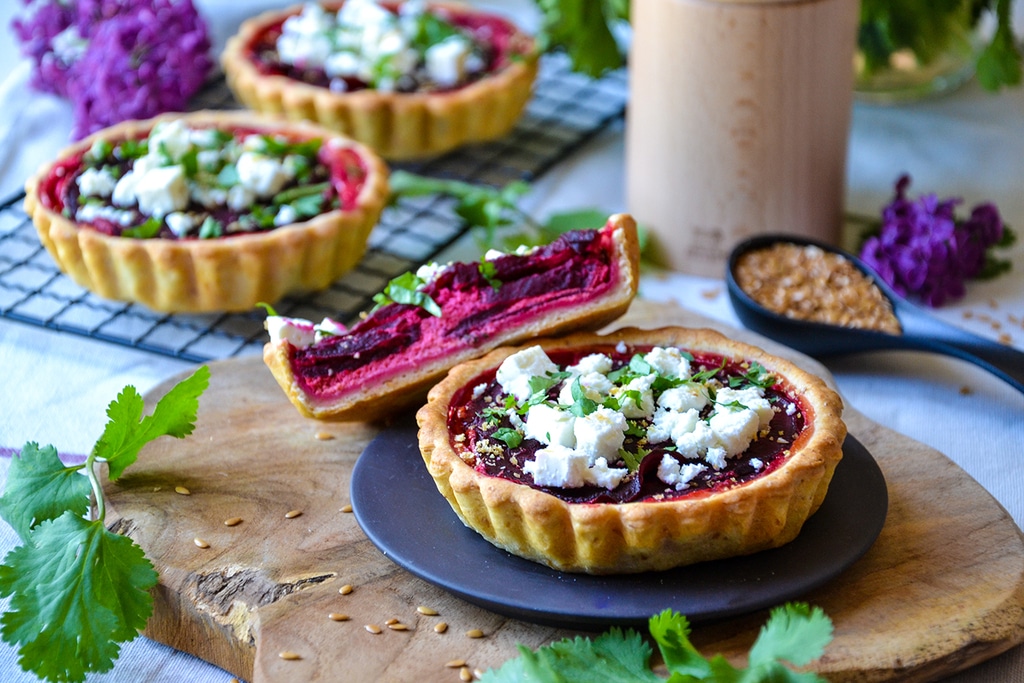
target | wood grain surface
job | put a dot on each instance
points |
(941, 589)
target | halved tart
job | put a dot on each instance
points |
(409, 79)
(211, 211)
(633, 451)
(427, 322)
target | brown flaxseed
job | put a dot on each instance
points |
(809, 283)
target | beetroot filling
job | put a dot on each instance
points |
(465, 417)
(494, 32)
(573, 269)
(343, 167)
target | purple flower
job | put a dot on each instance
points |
(921, 250)
(117, 59)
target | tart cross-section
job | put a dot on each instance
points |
(426, 322)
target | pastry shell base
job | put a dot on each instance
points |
(223, 274)
(605, 538)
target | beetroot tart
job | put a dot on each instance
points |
(428, 321)
(409, 79)
(211, 211)
(633, 451)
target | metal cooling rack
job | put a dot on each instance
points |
(565, 112)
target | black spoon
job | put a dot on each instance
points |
(921, 330)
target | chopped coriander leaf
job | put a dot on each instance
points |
(210, 229)
(308, 207)
(582, 405)
(405, 289)
(298, 192)
(487, 272)
(148, 229)
(228, 176)
(511, 437)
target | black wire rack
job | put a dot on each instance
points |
(566, 111)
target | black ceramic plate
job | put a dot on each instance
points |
(401, 511)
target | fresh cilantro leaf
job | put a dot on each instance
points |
(40, 487)
(542, 384)
(633, 460)
(77, 590)
(999, 64)
(146, 230)
(228, 176)
(127, 431)
(582, 405)
(583, 29)
(271, 311)
(671, 631)
(757, 376)
(291, 194)
(613, 657)
(488, 272)
(795, 633)
(511, 437)
(405, 289)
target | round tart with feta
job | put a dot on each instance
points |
(410, 79)
(211, 211)
(634, 451)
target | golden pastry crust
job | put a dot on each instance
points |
(223, 274)
(607, 538)
(399, 126)
(387, 397)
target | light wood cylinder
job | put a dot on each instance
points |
(738, 123)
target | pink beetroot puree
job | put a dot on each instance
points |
(577, 267)
(342, 166)
(501, 37)
(466, 417)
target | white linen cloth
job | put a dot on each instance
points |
(971, 144)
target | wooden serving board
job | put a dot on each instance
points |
(941, 589)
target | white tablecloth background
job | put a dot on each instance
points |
(56, 386)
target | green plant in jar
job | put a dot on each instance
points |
(909, 48)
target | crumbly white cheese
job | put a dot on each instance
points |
(676, 474)
(296, 331)
(595, 386)
(559, 466)
(87, 213)
(262, 174)
(636, 397)
(179, 222)
(515, 371)
(668, 362)
(600, 434)
(96, 182)
(550, 425)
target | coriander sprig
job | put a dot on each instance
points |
(77, 589)
(795, 634)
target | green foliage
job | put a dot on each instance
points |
(77, 591)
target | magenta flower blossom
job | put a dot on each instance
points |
(923, 251)
(116, 59)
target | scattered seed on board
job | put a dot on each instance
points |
(456, 663)
(465, 674)
(324, 436)
(292, 514)
(475, 633)
(423, 609)
(233, 521)
(346, 508)
(373, 628)
(398, 626)
(200, 542)
(337, 616)
(182, 490)
(391, 621)
(290, 656)
(440, 627)
(346, 589)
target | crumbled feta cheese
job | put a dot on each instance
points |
(734, 429)
(550, 425)
(161, 191)
(493, 254)
(515, 372)
(296, 331)
(595, 386)
(600, 474)
(88, 213)
(286, 215)
(180, 223)
(595, 362)
(262, 174)
(695, 443)
(329, 328)
(636, 397)
(428, 272)
(479, 390)
(600, 434)
(621, 347)
(239, 198)
(669, 425)
(172, 138)
(750, 397)
(757, 464)
(678, 475)
(558, 466)
(446, 61)
(685, 397)
(668, 362)
(96, 182)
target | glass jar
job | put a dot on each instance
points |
(906, 51)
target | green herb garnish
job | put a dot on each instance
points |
(150, 228)
(405, 289)
(77, 591)
(511, 437)
(795, 634)
(211, 228)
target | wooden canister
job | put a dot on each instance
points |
(738, 123)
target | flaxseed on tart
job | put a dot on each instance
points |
(633, 451)
(210, 211)
(410, 79)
